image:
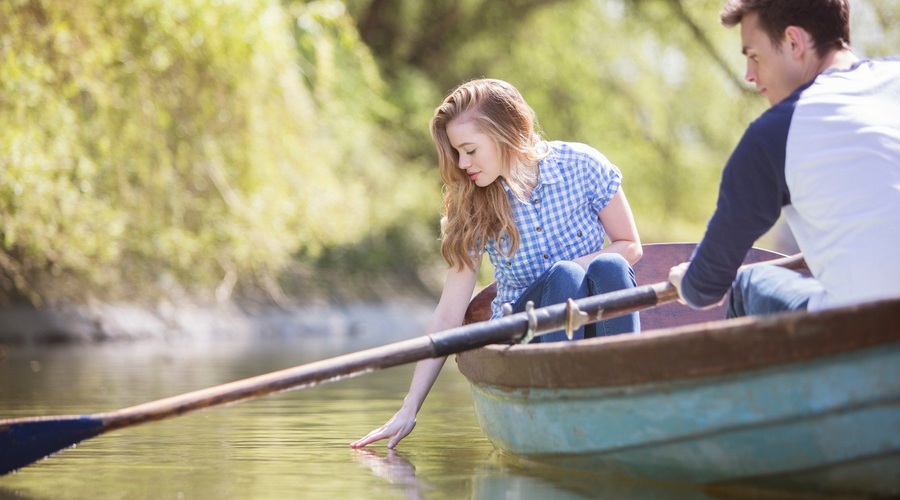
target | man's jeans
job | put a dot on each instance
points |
(763, 289)
(608, 272)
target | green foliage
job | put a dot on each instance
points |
(175, 143)
(373, 136)
(874, 30)
(140, 139)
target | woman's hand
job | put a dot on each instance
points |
(451, 310)
(397, 428)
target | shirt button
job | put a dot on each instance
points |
(546, 256)
(539, 229)
(536, 202)
(579, 234)
(508, 263)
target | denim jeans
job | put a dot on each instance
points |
(608, 272)
(763, 289)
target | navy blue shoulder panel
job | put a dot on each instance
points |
(751, 194)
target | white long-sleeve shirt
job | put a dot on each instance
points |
(829, 157)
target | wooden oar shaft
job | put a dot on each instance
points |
(598, 308)
(439, 344)
(339, 367)
(552, 318)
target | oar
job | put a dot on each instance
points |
(26, 440)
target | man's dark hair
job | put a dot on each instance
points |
(827, 21)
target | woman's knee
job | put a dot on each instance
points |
(611, 269)
(566, 272)
(609, 260)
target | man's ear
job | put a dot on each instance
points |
(799, 41)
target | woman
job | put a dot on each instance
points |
(540, 210)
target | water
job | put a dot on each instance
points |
(289, 445)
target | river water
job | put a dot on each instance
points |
(289, 445)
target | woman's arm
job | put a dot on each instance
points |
(449, 313)
(618, 222)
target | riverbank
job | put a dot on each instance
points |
(95, 322)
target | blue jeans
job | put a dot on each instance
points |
(763, 289)
(608, 272)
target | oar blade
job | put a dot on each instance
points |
(26, 441)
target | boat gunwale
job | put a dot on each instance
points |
(684, 352)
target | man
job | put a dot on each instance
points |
(826, 155)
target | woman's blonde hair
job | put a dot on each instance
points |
(472, 215)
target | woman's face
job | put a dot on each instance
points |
(478, 154)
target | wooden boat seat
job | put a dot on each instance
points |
(653, 267)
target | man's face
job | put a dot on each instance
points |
(773, 69)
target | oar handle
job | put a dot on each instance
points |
(552, 318)
(666, 291)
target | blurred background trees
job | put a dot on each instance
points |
(230, 147)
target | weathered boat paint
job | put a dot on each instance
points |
(807, 400)
(827, 415)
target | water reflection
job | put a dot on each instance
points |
(499, 477)
(503, 476)
(396, 469)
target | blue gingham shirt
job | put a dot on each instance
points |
(559, 222)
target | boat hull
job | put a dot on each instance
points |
(798, 400)
(831, 423)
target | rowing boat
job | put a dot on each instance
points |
(799, 400)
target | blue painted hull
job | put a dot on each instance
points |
(827, 421)
(820, 422)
